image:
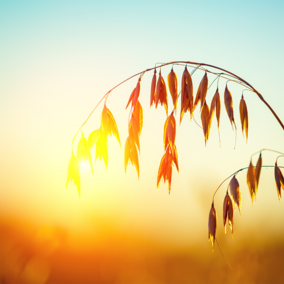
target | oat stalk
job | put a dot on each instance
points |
(201, 66)
(235, 173)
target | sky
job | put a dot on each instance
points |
(57, 60)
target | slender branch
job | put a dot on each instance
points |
(265, 166)
(196, 122)
(89, 117)
(225, 180)
(228, 73)
(214, 81)
(264, 149)
(281, 156)
(223, 254)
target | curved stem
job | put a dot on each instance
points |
(281, 156)
(199, 65)
(245, 90)
(214, 81)
(265, 166)
(196, 122)
(89, 116)
(194, 70)
(223, 254)
(225, 180)
(264, 149)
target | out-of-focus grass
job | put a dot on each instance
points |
(44, 255)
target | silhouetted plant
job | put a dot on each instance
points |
(188, 103)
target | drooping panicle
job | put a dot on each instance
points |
(201, 92)
(93, 138)
(186, 94)
(153, 89)
(130, 98)
(212, 225)
(161, 93)
(131, 154)
(83, 152)
(175, 156)
(136, 93)
(169, 131)
(215, 105)
(108, 124)
(73, 172)
(165, 168)
(173, 87)
(279, 180)
(101, 148)
(135, 124)
(133, 140)
(236, 193)
(170, 156)
(258, 169)
(244, 117)
(228, 212)
(229, 105)
(205, 118)
(251, 181)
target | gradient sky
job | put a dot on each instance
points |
(58, 58)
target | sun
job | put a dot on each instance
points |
(84, 165)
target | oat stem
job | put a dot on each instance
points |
(223, 254)
(281, 156)
(237, 80)
(264, 149)
(196, 122)
(235, 173)
(214, 81)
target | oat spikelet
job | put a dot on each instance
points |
(175, 156)
(189, 92)
(108, 124)
(131, 154)
(186, 94)
(153, 89)
(228, 213)
(229, 106)
(83, 152)
(279, 180)
(251, 181)
(169, 131)
(136, 93)
(258, 169)
(215, 105)
(201, 92)
(130, 98)
(218, 107)
(93, 138)
(165, 168)
(173, 87)
(236, 193)
(73, 172)
(244, 117)
(212, 225)
(205, 117)
(135, 124)
(101, 147)
(161, 93)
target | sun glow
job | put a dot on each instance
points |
(84, 165)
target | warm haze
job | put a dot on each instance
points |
(57, 61)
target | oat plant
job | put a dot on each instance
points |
(189, 102)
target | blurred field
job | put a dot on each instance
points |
(46, 255)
